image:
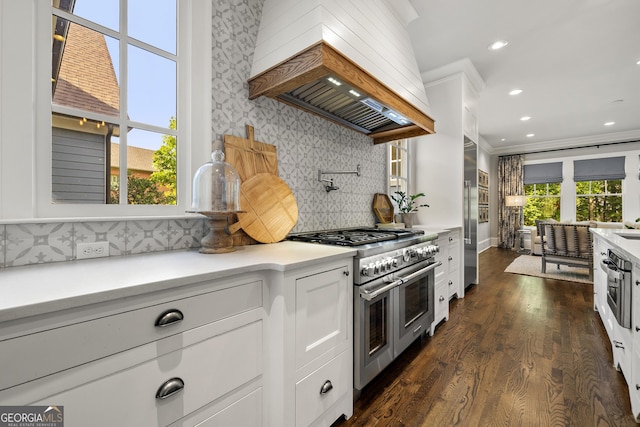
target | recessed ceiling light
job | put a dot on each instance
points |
(503, 139)
(610, 123)
(498, 45)
(638, 62)
(525, 118)
(530, 135)
(515, 92)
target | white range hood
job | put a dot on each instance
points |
(349, 61)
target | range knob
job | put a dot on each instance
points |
(406, 255)
(377, 267)
(367, 270)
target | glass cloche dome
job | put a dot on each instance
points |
(216, 187)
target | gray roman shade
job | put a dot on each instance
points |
(543, 173)
(609, 168)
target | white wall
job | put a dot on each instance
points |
(484, 228)
(438, 158)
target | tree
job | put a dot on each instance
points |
(141, 191)
(165, 166)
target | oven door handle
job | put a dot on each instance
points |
(371, 294)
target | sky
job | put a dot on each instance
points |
(151, 78)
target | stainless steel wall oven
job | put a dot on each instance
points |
(618, 271)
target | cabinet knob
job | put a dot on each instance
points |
(169, 388)
(637, 329)
(637, 387)
(450, 282)
(326, 387)
(637, 282)
(450, 239)
(346, 273)
(169, 317)
(450, 258)
(441, 298)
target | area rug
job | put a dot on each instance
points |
(531, 265)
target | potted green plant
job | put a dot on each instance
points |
(407, 205)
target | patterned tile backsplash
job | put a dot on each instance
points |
(23, 244)
(305, 143)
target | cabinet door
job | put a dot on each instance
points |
(323, 307)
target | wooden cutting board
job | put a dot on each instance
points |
(250, 157)
(270, 209)
(383, 208)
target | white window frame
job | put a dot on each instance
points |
(400, 182)
(25, 150)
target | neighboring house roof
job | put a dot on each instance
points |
(139, 159)
(87, 79)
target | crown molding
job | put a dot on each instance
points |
(560, 144)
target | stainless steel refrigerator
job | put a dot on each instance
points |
(470, 213)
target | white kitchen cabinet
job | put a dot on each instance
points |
(316, 363)
(441, 296)
(634, 383)
(448, 281)
(454, 281)
(599, 278)
(116, 364)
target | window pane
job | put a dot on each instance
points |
(82, 72)
(554, 189)
(614, 187)
(80, 160)
(583, 187)
(151, 172)
(103, 12)
(154, 22)
(152, 87)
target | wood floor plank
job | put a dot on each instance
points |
(516, 351)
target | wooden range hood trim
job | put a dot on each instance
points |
(320, 60)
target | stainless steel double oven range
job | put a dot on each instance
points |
(393, 294)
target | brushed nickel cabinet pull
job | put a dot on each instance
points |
(326, 387)
(169, 388)
(169, 317)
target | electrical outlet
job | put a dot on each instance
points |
(92, 250)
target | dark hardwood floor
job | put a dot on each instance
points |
(516, 351)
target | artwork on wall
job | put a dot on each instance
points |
(483, 196)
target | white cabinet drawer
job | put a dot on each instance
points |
(454, 256)
(245, 412)
(209, 369)
(311, 402)
(43, 353)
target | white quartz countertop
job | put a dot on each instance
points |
(44, 288)
(623, 239)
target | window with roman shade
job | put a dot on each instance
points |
(599, 189)
(542, 185)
